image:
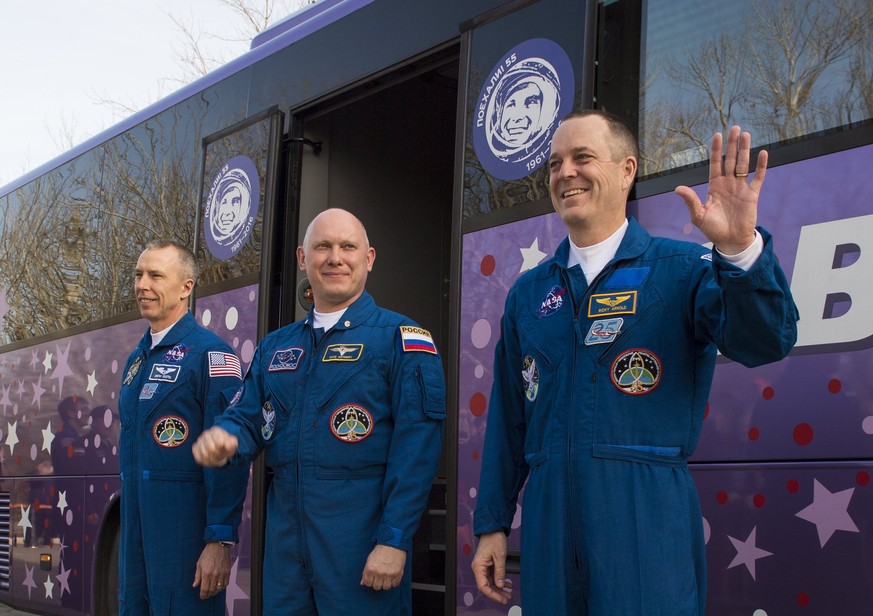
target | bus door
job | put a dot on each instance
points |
(385, 151)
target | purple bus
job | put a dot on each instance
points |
(431, 120)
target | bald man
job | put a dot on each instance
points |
(348, 405)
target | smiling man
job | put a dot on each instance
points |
(175, 381)
(601, 379)
(348, 405)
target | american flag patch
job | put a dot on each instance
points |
(416, 339)
(224, 364)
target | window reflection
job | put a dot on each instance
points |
(779, 68)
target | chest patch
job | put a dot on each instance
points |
(165, 373)
(530, 376)
(636, 371)
(170, 431)
(552, 302)
(269, 424)
(351, 423)
(131, 372)
(343, 352)
(176, 354)
(148, 391)
(606, 304)
(604, 330)
(285, 359)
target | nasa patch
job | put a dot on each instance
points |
(231, 208)
(269, 425)
(517, 112)
(552, 302)
(351, 423)
(636, 371)
(165, 373)
(531, 377)
(170, 431)
(343, 352)
(176, 354)
(285, 359)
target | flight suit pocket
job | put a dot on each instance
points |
(427, 398)
(644, 454)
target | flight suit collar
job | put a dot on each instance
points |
(635, 241)
(177, 333)
(357, 313)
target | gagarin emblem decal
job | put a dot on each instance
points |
(232, 207)
(518, 109)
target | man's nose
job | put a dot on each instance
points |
(335, 257)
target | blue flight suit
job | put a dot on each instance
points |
(170, 506)
(598, 399)
(352, 428)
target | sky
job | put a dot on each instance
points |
(59, 58)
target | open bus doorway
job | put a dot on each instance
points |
(386, 153)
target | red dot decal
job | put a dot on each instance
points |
(803, 434)
(792, 486)
(862, 478)
(467, 549)
(834, 386)
(487, 265)
(706, 411)
(759, 500)
(768, 393)
(802, 599)
(754, 434)
(475, 455)
(76, 546)
(721, 497)
(477, 404)
(70, 451)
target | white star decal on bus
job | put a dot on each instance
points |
(92, 382)
(532, 256)
(62, 500)
(25, 519)
(12, 435)
(47, 437)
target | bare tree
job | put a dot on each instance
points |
(198, 54)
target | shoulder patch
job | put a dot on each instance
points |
(416, 339)
(224, 364)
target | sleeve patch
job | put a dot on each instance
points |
(416, 339)
(224, 364)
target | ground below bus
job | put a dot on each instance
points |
(5, 610)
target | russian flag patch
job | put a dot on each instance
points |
(416, 339)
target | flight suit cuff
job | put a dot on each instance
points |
(484, 522)
(388, 535)
(220, 532)
(760, 274)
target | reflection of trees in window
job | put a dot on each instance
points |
(70, 247)
(797, 68)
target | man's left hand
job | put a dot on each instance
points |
(213, 570)
(729, 216)
(384, 568)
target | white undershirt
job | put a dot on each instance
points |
(592, 259)
(158, 336)
(326, 320)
